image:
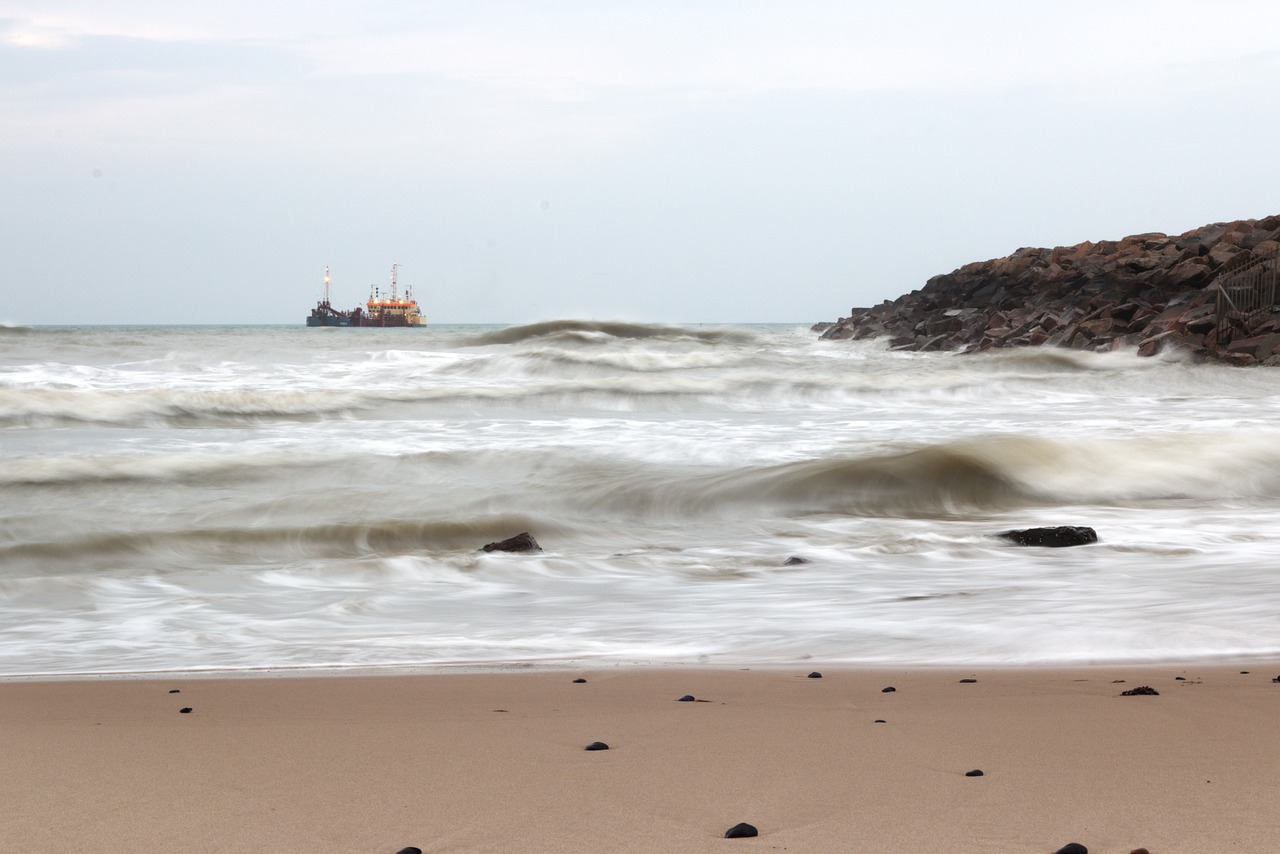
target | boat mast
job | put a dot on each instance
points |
(394, 297)
(326, 285)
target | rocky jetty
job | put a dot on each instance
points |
(1150, 291)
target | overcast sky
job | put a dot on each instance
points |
(202, 162)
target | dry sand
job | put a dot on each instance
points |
(495, 762)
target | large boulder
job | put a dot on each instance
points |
(1147, 289)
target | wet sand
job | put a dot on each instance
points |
(453, 762)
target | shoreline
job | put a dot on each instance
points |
(603, 666)
(468, 761)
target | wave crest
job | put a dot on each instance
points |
(603, 331)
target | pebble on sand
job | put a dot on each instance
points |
(412, 849)
(888, 690)
(815, 675)
(974, 773)
(185, 710)
(1141, 690)
(579, 681)
(687, 698)
(1072, 848)
(741, 831)
(174, 691)
(596, 745)
(967, 681)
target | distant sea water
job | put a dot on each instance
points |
(236, 498)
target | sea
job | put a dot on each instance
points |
(241, 499)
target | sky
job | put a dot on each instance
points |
(757, 162)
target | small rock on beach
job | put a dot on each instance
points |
(741, 831)
(596, 745)
(1072, 848)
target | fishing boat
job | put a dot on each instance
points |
(390, 310)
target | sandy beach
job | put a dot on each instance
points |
(496, 761)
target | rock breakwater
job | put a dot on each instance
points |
(1148, 291)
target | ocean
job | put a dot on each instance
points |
(281, 498)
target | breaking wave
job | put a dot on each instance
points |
(961, 478)
(267, 546)
(603, 332)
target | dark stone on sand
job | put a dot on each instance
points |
(888, 690)
(1057, 537)
(687, 698)
(523, 542)
(174, 691)
(579, 681)
(1139, 851)
(596, 745)
(1184, 679)
(974, 773)
(185, 710)
(794, 561)
(1277, 679)
(741, 831)
(967, 681)
(815, 675)
(1141, 690)
(881, 721)
(1244, 672)
(1072, 848)
(410, 850)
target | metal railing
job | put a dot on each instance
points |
(1245, 292)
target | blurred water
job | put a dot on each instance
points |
(244, 497)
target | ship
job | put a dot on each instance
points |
(391, 310)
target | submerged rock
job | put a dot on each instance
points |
(523, 542)
(1056, 537)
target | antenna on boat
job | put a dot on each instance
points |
(393, 281)
(326, 285)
